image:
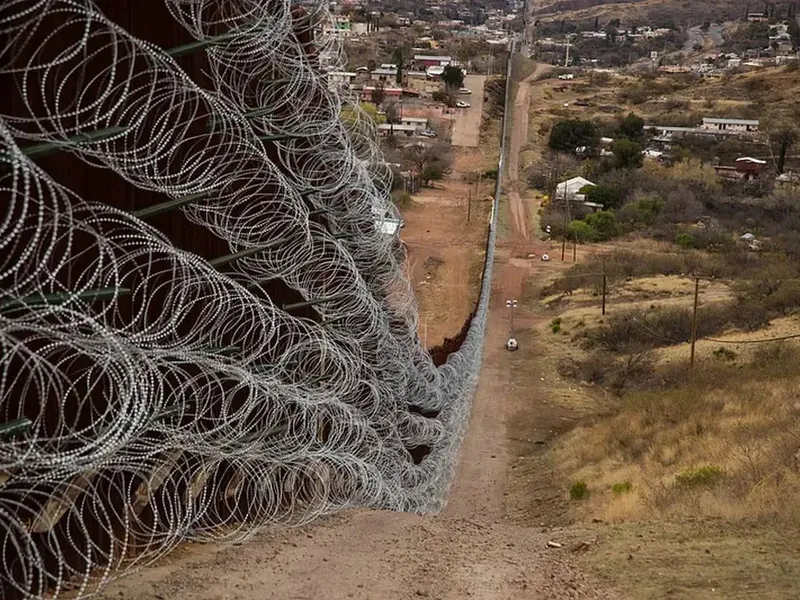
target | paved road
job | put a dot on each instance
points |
(467, 126)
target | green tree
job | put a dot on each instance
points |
(606, 195)
(453, 77)
(632, 127)
(604, 223)
(627, 154)
(582, 231)
(568, 135)
(642, 212)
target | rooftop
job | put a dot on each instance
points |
(426, 57)
(730, 121)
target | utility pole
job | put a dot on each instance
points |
(605, 285)
(564, 231)
(694, 318)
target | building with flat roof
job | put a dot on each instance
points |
(731, 125)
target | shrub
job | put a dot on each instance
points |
(724, 353)
(609, 197)
(582, 231)
(627, 154)
(642, 212)
(555, 326)
(706, 476)
(604, 224)
(684, 240)
(637, 329)
(621, 488)
(579, 490)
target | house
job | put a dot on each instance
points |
(388, 92)
(731, 125)
(571, 188)
(385, 129)
(384, 74)
(653, 154)
(340, 79)
(434, 72)
(432, 61)
(418, 122)
(757, 17)
(750, 168)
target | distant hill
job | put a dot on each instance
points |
(681, 12)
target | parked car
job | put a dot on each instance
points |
(567, 76)
(462, 104)
(464, 91)
(428, 133)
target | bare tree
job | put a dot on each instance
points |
(378, 94)
(431, 161)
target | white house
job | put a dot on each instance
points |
(571, 188)
(731, 125)
(385, 129)
(340, 79)
(419, 122)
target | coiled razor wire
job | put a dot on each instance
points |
(139, 428)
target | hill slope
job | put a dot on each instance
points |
(679, 11)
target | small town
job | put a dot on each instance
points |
(400, 299)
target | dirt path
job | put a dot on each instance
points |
(484, 545)
(519, 133)
(474, 549)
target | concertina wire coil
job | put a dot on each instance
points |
(143, 432)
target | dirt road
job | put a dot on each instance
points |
(482, 545)
(518, 138)
(474, 549)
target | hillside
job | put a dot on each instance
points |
(680, 12)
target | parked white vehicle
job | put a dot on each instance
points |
(462, 104)
(567, 76)
(464, 91)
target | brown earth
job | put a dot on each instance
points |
(491, 540)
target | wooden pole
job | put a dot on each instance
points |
(605, 280)
(564, 232)
(694, 318)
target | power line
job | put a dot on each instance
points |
(776, 339)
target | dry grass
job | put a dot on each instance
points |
(695, 560)
(742, 420)
(641, 11)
